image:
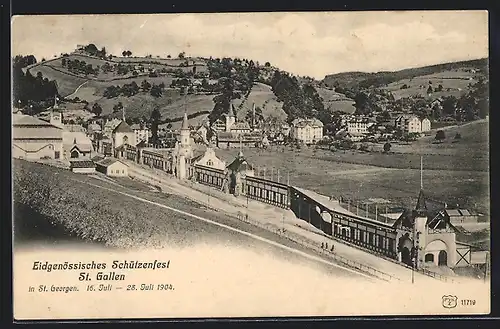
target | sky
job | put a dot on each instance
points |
(313, 44)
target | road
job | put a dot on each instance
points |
(272, 245)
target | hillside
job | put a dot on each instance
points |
(262, 96)
(379, 79)
(89, 81)
(334, 101)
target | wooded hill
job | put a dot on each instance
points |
(362, 80)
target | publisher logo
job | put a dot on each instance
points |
(449, 301)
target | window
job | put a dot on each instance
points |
(210, 163)
(123, 171)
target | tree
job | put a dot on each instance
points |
(168, 56)
(449, 105)
(429, 90)
(182, 55)
(267, 64)
(97, 109)
(117, 107)
(387, 147)
(440, 136)
(155, 120)
(458, 136)
(222, 102)
(145, 85)
(91, 49)
(156, 91)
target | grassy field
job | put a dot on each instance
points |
(473, 144)
(262, 96)
(336, 101)
(350, 175)
(457, 81)
(66, 84)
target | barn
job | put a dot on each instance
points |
(112, 167)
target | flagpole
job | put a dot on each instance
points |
(421, 173)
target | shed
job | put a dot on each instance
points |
(112, 167)
(82, 166)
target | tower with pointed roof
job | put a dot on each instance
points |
(230, 118)
(56, 118)
(184, 149)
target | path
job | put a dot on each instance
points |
(251, 235)
(76, 90)
(276, 217)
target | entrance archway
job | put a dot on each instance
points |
(405, 256)
(442, 258)
(75, 154)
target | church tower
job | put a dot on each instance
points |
(185, 151)
(185, 138)
(56, 115)
(230, 118)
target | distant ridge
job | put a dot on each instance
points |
(364, 80)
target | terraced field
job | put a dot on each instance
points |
(454, 83)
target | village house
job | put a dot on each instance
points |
(426, 125)
(357, 125)
(142, 133)
(112, 167)
(308, 131)
(209, 159)
(76, 143)
(409, 124)
(33, 138)
(226, 140)
(122, 134)
(229, 125)
(93, 129)
(109, 126)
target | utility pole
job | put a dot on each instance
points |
(357, 207)
(421, 173)
(272, 173)
(278, 175)
(376, 211)
(366, 204)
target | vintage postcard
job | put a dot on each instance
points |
(250, 165)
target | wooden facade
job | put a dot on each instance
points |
(267, 191)
(209, 176)
(380, 238)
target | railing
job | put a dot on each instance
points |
(157, 179)
(435, 275)
(323, 251)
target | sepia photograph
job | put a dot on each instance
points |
(250, 165)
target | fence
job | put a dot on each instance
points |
(156, 178)
(323, 251)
